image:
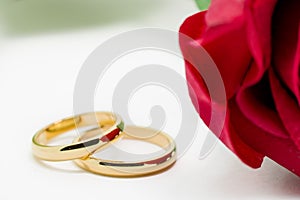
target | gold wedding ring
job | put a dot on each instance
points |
(137, 168)
(107, 126)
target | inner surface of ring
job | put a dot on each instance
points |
(140, 164)
(152, 136)
(147, 135)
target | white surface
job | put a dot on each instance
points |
(37, 76)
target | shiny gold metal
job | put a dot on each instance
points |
(105, 127)
(139, 168)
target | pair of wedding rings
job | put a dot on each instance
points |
(101, 129)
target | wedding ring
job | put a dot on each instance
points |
(106, 127)
(148, 166)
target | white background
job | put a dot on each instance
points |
(38, 68)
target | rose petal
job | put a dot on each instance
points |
(229, 137)
(194, 26)
(287, 107)
(259, 15)
(230, 10)
(257, 104)
(203, 66)
(286, 44)
(198, 93)
(221, 42)
(283, 151)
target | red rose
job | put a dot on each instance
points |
(256, 47)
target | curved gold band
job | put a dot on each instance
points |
(132, 169)
(111, 124)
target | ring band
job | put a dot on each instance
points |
(111, 123)
(133, 169)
